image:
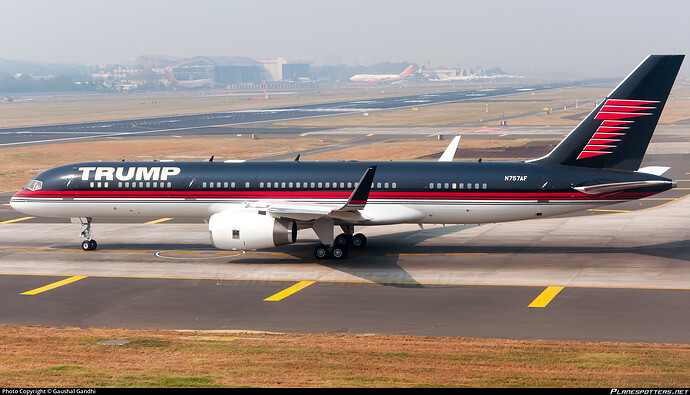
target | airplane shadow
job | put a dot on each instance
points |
(379, 261)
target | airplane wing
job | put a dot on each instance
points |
(311, 211)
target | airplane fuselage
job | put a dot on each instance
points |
(402, 192)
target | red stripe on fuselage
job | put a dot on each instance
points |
(296, 195)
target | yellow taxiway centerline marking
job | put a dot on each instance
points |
(303, 134)
(503, 135)
(683, 180)
(289, 291)
(681, 189)
(54, 285)
(545, 297)
(370, 134)
(157, 221)
(15, 220)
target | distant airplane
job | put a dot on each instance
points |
(255, 204)
(190, 84)
(382, 77)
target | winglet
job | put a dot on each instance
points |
(449, 153)
(360, 195)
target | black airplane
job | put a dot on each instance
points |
(255, 205)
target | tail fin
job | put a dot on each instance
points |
(408, 71)
(616, 134)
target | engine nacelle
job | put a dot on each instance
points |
(247, 229)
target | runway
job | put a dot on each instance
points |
(209, 123)
(616, 277)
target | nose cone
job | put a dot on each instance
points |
(18, 202)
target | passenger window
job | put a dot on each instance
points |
(469, 185)
(484, 186)
(455, 186)
(203, 185)
(476, 186)
(394, 186)
(461, 186)
(438, 185)
(445, 185)
(312, 185)
(99, 184)
(328, 185)
(349, 185)
(225, 184)
(320, 184)
(290, 185)
(246, 184)
(385, 185)
(261, 185)
(431, 185)
(91, 184)
(232, 184)
(169, 184)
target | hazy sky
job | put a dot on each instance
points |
(589, 38)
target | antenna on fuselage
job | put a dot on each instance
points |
(297, 158)
(211, 159)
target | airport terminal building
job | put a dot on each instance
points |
(239, 73)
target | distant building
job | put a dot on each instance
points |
(287, 69)
(225, 71)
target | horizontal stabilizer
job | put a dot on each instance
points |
(619, 186)
(655, 170)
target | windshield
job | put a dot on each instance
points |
(34, 185)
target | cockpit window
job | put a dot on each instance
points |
(34, 185)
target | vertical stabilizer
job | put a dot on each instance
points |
(616, 134)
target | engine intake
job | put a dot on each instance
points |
(248, 230)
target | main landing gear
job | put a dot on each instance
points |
(341, 244)
(89, 244)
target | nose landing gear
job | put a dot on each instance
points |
(89, 244)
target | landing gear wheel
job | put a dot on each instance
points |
(89, 245)
(321, 252)
(339, 252)
(359, 240)
(343, 240)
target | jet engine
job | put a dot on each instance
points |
(249, 230)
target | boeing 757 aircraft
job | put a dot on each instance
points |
(255, 205)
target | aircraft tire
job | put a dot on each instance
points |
(321, 252)
(359, 240)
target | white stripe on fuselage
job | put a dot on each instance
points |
(376, 212)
